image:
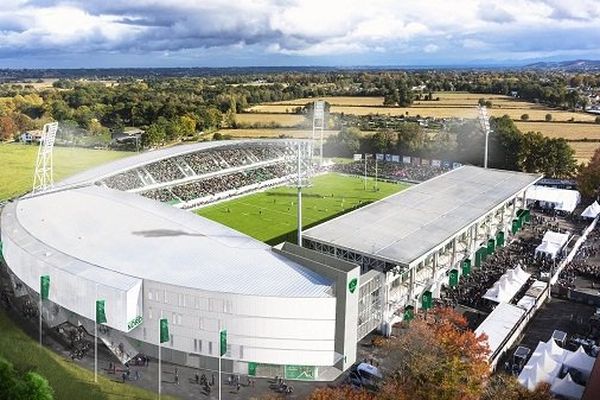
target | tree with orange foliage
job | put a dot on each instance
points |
(8, 128)
(506, 387)
(341, 393)
(437, 358)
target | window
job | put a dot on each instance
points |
(174, 319)
(171, 340)
(241, 352)
(200, 323)
(149, 312)
(227, 306)
(165, 294)
(144, 333)
(149, 294)
(210, 348)
(211, 305)
(179, 319)
(180, 299)
(200, 346)
(195, 345)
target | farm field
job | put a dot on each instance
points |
(451, 104)
(584, 150)
(68, 380)
(273, 133)
(564, 130)
(286, 120)
(270, 216)
(18, 164)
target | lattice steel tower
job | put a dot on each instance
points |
(318, 126)
(43, 177)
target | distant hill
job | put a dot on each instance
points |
(571, 65)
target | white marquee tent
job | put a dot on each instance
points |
(560, 199)
(592, 210)
(552, 243)
(580, 361)
(566, 388)
(507, 286)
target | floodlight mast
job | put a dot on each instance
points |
(484, 122)
(301, 181)
(318, 126)
(43, 177)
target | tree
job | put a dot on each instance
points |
(384, 141)
(411, 138)
(344, 144)
(548, 117)
(438, 358)
(31, 386)
(525, 117)
(597, 120)
(8, 128)
(341, 393)
(506, 387)
(154, 135)
(588, 179)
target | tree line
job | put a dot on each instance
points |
(464, 142)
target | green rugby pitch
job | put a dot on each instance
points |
(270, 216)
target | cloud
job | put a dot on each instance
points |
(261, 32)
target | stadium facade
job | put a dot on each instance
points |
(291, 311)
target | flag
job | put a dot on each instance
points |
(453, 278)
(164, 330)
(100, 312)
(44, 286)
(223, 342)
(426, 300)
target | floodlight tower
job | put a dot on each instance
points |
(318, 126)
(43, 177)
(303, 159)
(484, 122)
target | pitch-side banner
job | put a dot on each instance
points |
(379, 157)
(357, 157)
(395, 159)
(424, 161)
(456, 165)
(406, 159)
(388, 157)
(436, 163)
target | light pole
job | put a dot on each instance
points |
(484, 121)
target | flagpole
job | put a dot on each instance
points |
(365, 171)
(375, 172)
(220, 380)
(40, 312)
(96, 338)
(159, 361)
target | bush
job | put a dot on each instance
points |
(548, 117)
(525, 117)
(218, 136)
(598, 120)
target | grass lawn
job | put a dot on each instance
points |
(270, 216)
(18, 164)
(68, 380)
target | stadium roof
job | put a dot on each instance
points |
(403, 227)
(148, 157)
(122, 232)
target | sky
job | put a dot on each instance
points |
(216, 33)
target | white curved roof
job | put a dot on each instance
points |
(124, 164)
(126, 233)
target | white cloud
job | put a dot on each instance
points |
(299, 28)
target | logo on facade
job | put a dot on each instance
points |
(135, 322)
(352, 285)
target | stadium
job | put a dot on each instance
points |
(119, 233)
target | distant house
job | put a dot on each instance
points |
(32, 136)
(514, 93)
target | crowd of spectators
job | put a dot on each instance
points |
(198, 164)
(220, 184)
(585, 264)
(520, 252)
(391, 170)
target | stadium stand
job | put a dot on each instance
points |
(392, 171)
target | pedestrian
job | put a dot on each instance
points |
(238, 387)
(229, 380)
(137, 375)
(177, 379)
(196, 378)
(110, 367)
(123, 376)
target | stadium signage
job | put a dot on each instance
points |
(352, 285)
(135, 322)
